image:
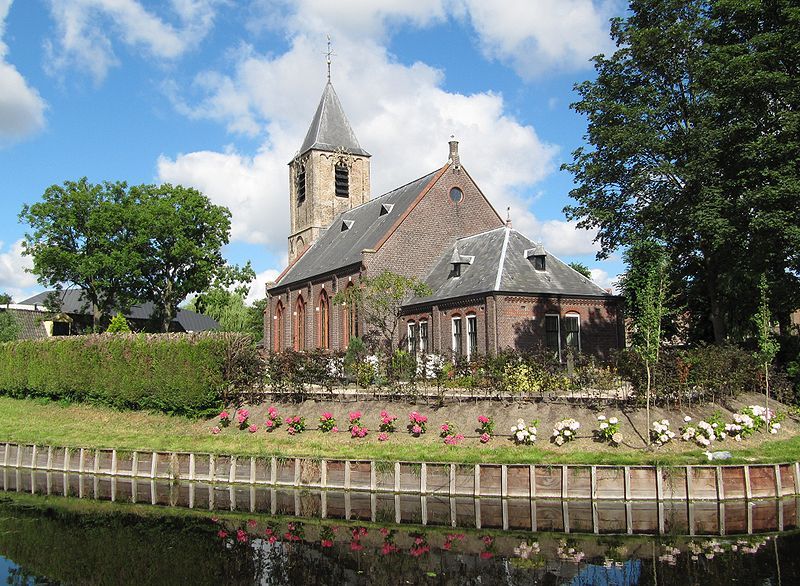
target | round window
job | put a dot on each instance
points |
(456, 194)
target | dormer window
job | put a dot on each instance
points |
(386, 208)
(300, 184)
(538, 257)
(347, 224)
(342, 178)
(456, 261)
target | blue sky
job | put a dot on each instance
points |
(218, 94)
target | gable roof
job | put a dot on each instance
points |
(330, 129)
(366, 227)
(73, 301)
(500, 264)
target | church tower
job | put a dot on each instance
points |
(329, 175)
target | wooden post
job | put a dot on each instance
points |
(504, 505)
(796, 469)
(5, 455)
(154, 466)
(477, 492)
(453, 515)
(33, 457)
(135, 466)
(778, 483)
(212, 473)
(689, 494)
(720, 486)
(297, 471)
(721, 517)
(423, 505)
(373, 482)
(113, 462)
(593, 482)
(96, 461)
(323, 473)
(423, 478)
(273, 471)
(533, 482)
(564, 482)
(347, 476)
(232, 475)
(81, 460)
(397, 479)
(252, 475)
(504, 483)
(192, 465)
(627, 482)
(659, 485)
(49, 458)
(565, 514)
(452, 487)
(67, 454)
(748, 493)
(629, 517)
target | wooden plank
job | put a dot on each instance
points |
(689, 494)
(504, 482)
(564, 481)
(748, 492)
(533, 481)
(452, 487)
(252, 477)
(347, 476)
(477, 491)
(297, 471)
(778, 486)
(135, 466)
(593, 482)
(192, 467)
(423, 478)
(720, 486)
(323, 474)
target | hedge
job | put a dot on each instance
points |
(186, 374)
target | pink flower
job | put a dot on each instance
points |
(356, 546)
(253, 428)
(291, 431)
(384, 414)
(326, 543)
(487, 540)
(383, 531)
(215, 430)
(485, 437)
(445, 427)
(335, 429)
(483, 419)
(269, 423)
(224, 415)
(241, 536)
(222, 534)
(288, 420)
(296, 419)
(416, 429)
(459, 437)
(273, 413)
(355, 415)
(383, 436)
(327, 415)
(242, 415)
(272, 539)
(447, 545)
(486, 555)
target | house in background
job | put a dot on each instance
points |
(493, 288)
(67, 313)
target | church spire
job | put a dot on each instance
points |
(330, 130)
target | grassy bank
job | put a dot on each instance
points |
(79, 425)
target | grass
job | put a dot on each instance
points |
(36, 421)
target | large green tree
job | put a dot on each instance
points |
(693, 139)
(185, 235)
(85, 234)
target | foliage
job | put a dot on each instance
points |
(693, 134)
(118, 325)
(379, 300)
(581, 268)
(9, 328)
(523, 434)
(188, 374)
(5, 298)
(608, 429)
(87, 235)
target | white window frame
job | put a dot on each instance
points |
(423, 346)
(558, 330)
(574, 315)
(471, 317)
(410, 336)
(453, 320)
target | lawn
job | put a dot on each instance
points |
(79, 425)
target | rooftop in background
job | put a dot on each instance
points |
(72, 302)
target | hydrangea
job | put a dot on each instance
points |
(661, 433)
(565, 431)
(523, 434)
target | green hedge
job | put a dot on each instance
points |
(187, 374)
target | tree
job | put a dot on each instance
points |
(9, 328)
(118, 325)
(379, 300)
(644, 284)
(85, 234)
(582, 269)
(5, 298)
(224, 300)
(185, 235)
(767, 345)
(693, 136)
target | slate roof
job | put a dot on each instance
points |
(330, 130)
(500, 264)
(72, 301)
(29, 322)
(337, 248)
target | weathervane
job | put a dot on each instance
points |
(328, 57)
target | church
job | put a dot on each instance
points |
(492, 287)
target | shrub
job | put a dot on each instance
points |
(118, 325)
(187, 374)
(523, 434)
(608, 429)
(564, 431)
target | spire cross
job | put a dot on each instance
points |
(328, 57)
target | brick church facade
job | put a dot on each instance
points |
(493, 288)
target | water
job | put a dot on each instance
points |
(290, 539)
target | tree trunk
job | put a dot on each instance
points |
(717, 318)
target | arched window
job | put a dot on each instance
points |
(350, 320)
(324, 320)
(300, 324)
(572, 330)
(300, 183)
(458, 335)
(472, 335)
(423, 336)
(411, 337)
(277, 328)
(342, 178)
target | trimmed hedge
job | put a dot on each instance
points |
(186, 374)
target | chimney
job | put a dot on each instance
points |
(454, 153)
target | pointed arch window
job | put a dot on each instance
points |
(342, 178)
(300, 324)
(300, 183)
(277, 328)
(349, 321)
(324, 320)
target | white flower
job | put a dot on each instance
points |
(567, 432)
(520, 435)
(687, 419)
(601, 417)
(560, 440)
(613, 421)
(603, 425)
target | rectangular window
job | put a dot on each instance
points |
(572, 329)
(342, 181)
(412, 338)
(552, 337)
(472, 336)
(423, 336)
(457, 335)
(301, 184)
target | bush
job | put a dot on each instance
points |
(187, 374)
(699, 375)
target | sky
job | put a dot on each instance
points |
(218, 95)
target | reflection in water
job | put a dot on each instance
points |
(564, 516)
(242, 536)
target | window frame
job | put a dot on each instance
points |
(300, 323)
(457, 339)
(423, 340)
(557, 332)
(572, 315)
(472, 320)
(324, 320)
(341, 185)
(277, 327)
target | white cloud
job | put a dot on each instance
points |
(14, 279)
(400, 113)
(606, 281)
(564, 238)
(86, 28)
(21, 106)
(545, 35)
(258, 287)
